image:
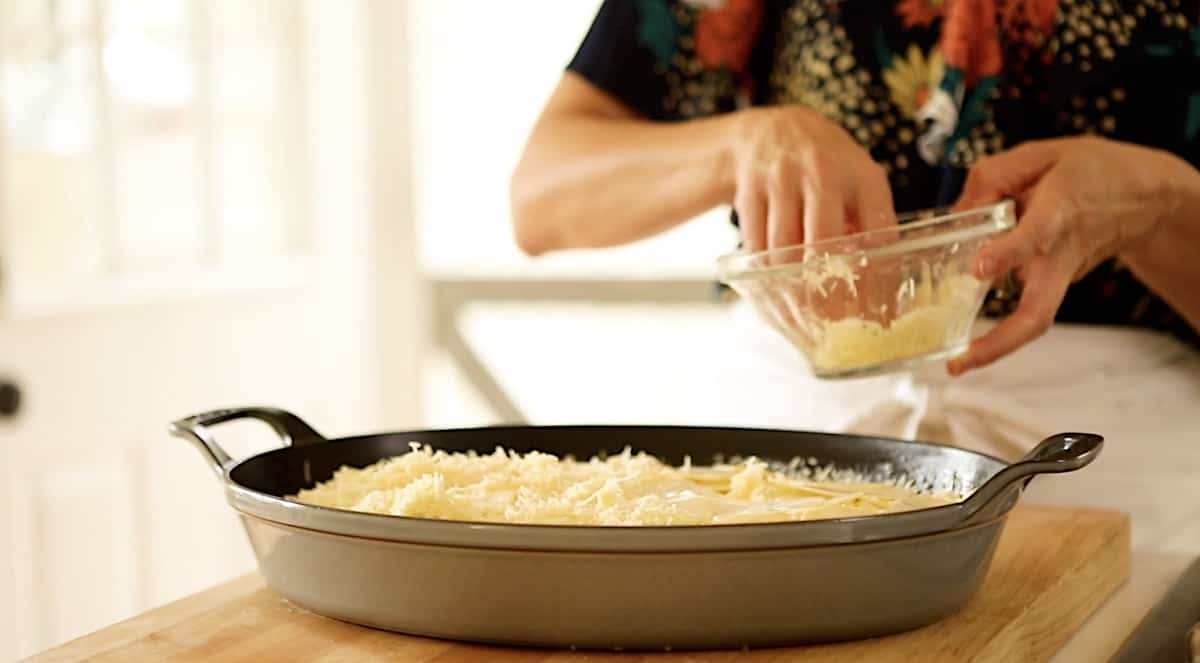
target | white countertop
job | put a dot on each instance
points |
(1164, 547)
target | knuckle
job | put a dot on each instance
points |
(820, 163)
(1051, 232)
(780, 170)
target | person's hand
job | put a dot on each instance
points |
(1080, 201)
(801, 178)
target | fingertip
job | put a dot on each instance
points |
(879, 220)
(968, 360)
(998, 256)
(986, 268)
(874, 210)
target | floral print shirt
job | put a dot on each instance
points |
(928, 87)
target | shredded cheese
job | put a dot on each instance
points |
(831, 268)
(936, 317)
(627, 489)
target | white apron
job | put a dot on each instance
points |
(1139, 389)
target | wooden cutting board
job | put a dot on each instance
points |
(1053, 568)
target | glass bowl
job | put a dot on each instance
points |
(878, 301)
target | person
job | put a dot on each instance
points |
(813, 119)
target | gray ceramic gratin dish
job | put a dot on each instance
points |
(634, 588)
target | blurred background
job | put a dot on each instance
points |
(298, 203)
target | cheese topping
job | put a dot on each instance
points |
(627, 489)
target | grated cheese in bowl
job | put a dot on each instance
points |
(882, 300)
(938, 321)
(622, 490)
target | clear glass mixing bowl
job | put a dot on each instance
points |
(878, 301)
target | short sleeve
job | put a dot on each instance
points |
(672, 59)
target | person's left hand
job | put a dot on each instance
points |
(1080, 201)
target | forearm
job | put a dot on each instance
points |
(1168, 262)
(587, 181)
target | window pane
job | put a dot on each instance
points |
(254, 69)
(148, 62)
(174, 142)
(51, 187)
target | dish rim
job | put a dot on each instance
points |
(996, 218)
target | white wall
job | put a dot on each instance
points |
(480, 73)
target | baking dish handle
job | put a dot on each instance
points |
(292, 430)
(1064, 452)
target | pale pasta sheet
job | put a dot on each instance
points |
(626, 489)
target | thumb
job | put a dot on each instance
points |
(1007, 174)
(1040, 228)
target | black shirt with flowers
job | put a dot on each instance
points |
(928, 87)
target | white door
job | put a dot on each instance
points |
(185, 207)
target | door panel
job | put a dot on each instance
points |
(109, 514)
(102, 514)
(82, 546)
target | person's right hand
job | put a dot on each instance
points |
(801, 178)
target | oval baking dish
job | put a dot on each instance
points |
(645, 588)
